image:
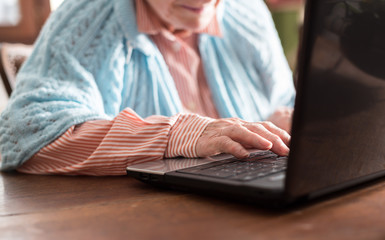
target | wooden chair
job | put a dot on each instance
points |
(33, 15)
(12, 57)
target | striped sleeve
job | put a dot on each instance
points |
(104, 147)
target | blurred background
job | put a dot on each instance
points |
(21, 21)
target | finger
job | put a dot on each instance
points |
(279, 146)
(270, 127)
(284, 135)
(247, 138)
(222, 144)
(227, 145)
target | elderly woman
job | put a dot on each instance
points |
(111, 83)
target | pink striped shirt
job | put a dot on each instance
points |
(104, 147)
(180, 51)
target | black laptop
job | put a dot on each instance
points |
(338, 132)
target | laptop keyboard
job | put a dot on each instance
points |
(257, 165)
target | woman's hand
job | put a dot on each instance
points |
(234, 136)
(282, 118)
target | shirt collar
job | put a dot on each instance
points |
(149, 23)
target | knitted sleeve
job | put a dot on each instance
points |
(57, 86)
(251, 69)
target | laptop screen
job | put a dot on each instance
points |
(339, 124)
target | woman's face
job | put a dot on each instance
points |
(185, 14)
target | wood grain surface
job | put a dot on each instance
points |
(59, 207)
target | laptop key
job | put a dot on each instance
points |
(219, 174)
(257, 165)
(257, 174)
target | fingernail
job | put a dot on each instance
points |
(269, 145)
(244, 154)
(286, 151)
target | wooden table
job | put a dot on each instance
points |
(59, 207)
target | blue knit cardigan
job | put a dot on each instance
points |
(90, 62)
